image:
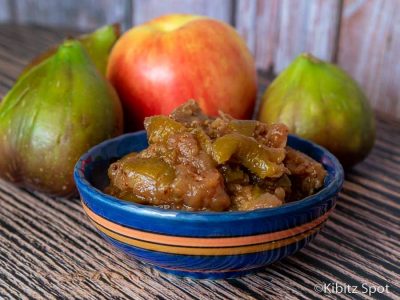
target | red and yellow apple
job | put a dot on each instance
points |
(161, 64)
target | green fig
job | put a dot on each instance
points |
(54, 113)
(98, 45)
(321, 102)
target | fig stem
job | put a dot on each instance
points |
(311, 58)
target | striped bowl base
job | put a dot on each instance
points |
(209, 267)
(202, 245)
(206, 258)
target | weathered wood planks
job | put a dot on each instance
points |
(369, 49)
(83, 14)
(49, 250)
(146, 10)
(277, 31)
(363, 36)
(5, 11)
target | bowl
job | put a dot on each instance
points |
(201, 245)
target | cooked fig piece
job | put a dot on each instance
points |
(199, 163)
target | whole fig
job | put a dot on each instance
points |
(97, 44)
(321, 102)
(54, 113)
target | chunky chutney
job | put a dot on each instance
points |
(200, 163)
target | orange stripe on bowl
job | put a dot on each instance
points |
(203, 242)
(207, 251)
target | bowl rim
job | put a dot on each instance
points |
(331, 190)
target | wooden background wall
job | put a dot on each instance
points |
(363, 36)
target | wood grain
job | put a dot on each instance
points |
(257, 22)
(310, 26)
(277, 31)
(363, 36)
(49, 250)
(5, 10)
(146, 10)
(369, 48)
(82, 14)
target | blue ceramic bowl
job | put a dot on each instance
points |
(202, 244)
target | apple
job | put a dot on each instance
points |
(163, 63)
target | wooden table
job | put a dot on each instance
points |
(48, 248)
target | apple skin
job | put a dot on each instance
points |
(161, 64)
